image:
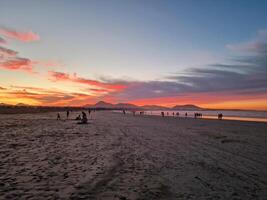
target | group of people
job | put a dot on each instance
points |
(173, 114)
(81, 118)
(198, 115)
(84, 120)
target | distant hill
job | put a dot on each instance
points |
(106, 105)
(154, 107)
(125, 106)
(186, 107)
(103, 104)
(4, 104)
(22, 104)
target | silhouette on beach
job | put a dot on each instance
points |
(198, 115)
(68, 113)
(84, 119)
(58, 116)
(78, 117)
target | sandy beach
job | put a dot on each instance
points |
(119, 156)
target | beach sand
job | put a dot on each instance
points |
(119, 156)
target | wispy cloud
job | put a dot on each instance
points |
(7, 52)
(245, 76)
(17, 63)
(10, 60)
(43, 96)
(2, 41)
(258, 45)
(27, 36)
(60, 76)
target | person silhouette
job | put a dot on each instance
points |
(68, 113)
(78, 117)
(58, 116)
(84, 118)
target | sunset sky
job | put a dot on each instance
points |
(71, 53)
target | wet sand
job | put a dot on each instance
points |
(131, 157)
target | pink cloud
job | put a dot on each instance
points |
(28, 36)
(2, 41)
(60, 76)
(17, 63)
(10, 60)
(7, 52)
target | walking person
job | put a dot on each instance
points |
(58, 116)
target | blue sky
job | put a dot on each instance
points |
(132, 40)
(144, 38)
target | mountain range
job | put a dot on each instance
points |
(106, 105)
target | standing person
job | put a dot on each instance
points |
(58, 116)
(162, 114)
(89, 111)
(84, 118)
(220, 116)
(68, 113)
(186, 114)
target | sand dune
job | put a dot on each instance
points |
(125, 157)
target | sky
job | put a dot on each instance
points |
(72, 53)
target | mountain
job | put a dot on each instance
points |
(106, 105)
(88, 105)
(4, 104)
(126, 106)
(186, 107)
(22, 104)
(154, 107)
(103, 104)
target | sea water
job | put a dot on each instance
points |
(257, 116)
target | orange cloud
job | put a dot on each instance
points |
(10, 60)
(17, 35)
(60, 76)
(42, 96)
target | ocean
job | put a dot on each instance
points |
(257, 116)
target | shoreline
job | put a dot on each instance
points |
(211, 117)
